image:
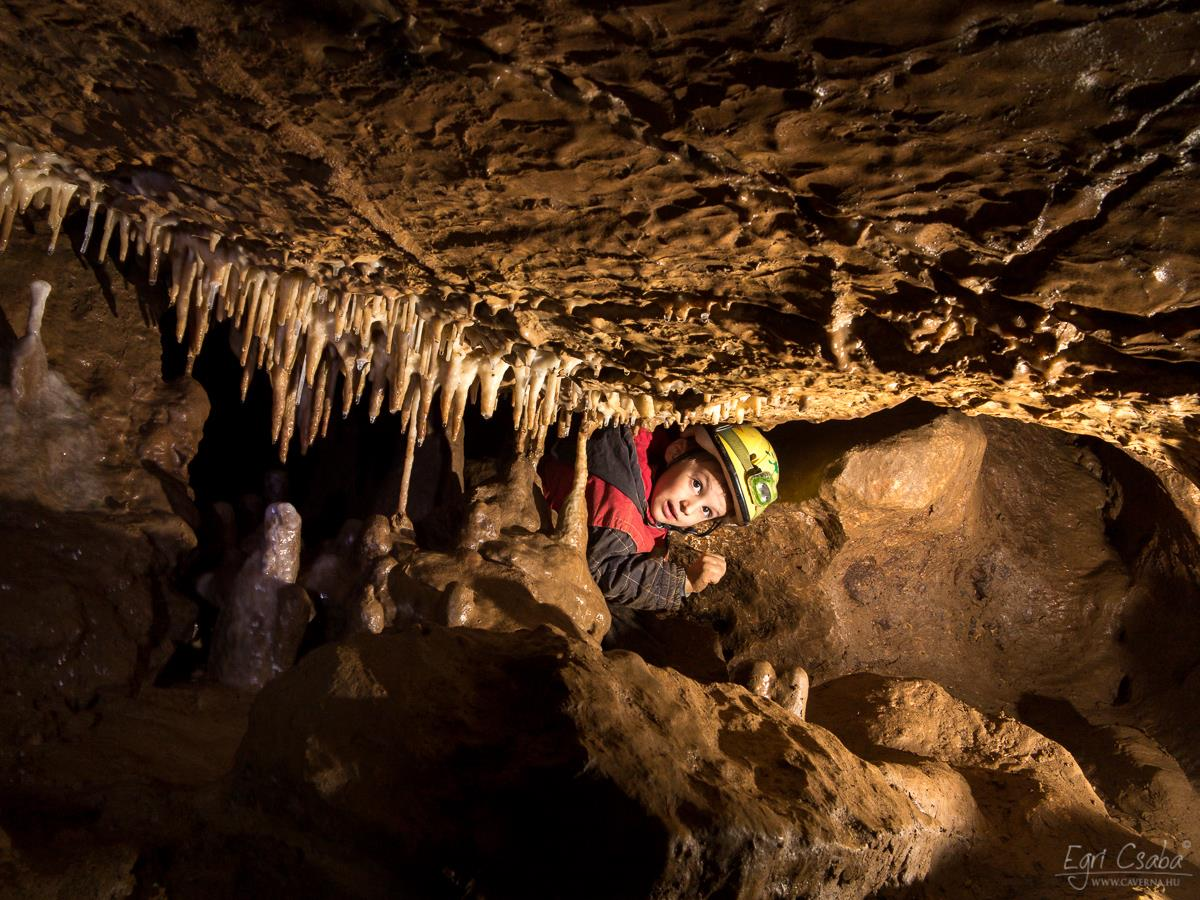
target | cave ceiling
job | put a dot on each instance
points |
(675, 211)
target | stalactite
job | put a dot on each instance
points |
(295, 383)
(110, 220)
(320, 383)
(247, 375)
(410, 443)
(303, 332)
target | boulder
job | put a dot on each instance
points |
(993, 574)
(927, 473)
(531, 764)
(1012, 801)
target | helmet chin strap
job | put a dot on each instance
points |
(691, 530)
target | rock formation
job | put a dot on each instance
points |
(844, 214)
(904, 243)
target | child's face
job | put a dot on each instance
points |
(691, 491)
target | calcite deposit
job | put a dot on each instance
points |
(903, 240)
(688, 210)
(265, 613)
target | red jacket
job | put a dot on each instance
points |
(626, 549)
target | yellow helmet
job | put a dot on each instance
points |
(750, 465)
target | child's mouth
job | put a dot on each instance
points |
(669, 510)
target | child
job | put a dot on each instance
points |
(642, 487)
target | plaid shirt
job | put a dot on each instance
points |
(629, 578)
(626, 550)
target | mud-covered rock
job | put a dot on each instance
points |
(510, 571)
(465, 751)
(1014, 583)
(1013, 800)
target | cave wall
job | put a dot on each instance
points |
(930, 522)
(1003, 560)
(669, 212)
(96, 508)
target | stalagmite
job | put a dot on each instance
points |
(259, 630)
(29, 366)
(573, 518)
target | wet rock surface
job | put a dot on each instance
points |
(816, 209)
(97, 811)
(96, 512)
(1020, 576)
(262, 620)
(656, 212)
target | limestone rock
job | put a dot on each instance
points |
(775, 210)
(1020, 798)
(463, 751)
(929, 472)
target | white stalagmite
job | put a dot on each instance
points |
(29, 367)
(306, 323)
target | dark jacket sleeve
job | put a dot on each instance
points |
(629, 578)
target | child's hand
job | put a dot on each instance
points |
(706, 569)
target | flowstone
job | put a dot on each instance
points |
(95, 511)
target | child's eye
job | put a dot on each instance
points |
(707, 512)
(696, 485)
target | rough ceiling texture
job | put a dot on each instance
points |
(796, 210)
(654, 213)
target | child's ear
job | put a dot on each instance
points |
(675, 449)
